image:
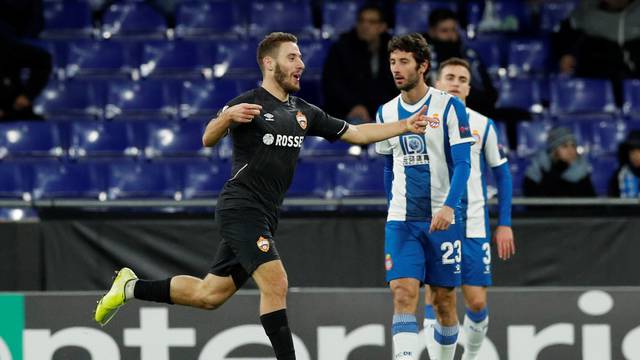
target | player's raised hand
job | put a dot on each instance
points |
(503, 237)
(243, 112)
(442, 219)
(417, 123)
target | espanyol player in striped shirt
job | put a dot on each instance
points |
(454, 77)
(425, 177)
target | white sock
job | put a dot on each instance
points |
(405, 337)
(428, 323)
(446, 338)
(474, 332)
(128, 289)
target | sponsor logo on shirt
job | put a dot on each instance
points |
(302, 120)
(267, 139)
(263, 244)
(269, 117)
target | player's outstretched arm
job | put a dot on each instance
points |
(370, 133)
(218, 127)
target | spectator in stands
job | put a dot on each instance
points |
(356, 76)
(601, 39)
(626, 181)
(445, 42)
(20, 20)
(558, 170)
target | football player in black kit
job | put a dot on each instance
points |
(267, 126)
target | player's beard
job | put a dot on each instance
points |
(410, 83)
(282, 80)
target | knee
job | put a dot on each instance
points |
(404, 297)
(476, 304)
(276, 288)
(444, 304)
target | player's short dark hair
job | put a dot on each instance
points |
(454, 61)
(271, 43)
(412, 43)
(439, 15)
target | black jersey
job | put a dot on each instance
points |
(265, 151)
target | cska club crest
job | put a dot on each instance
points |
(302, 120)
(263, 244)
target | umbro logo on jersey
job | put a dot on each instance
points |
(269, 117)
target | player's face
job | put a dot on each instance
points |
(634, 157)
(455, 80)
(289, 67)
(406, 72)
(446, 30)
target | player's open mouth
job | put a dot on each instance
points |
(297, 76)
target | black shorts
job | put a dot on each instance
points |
(247, 243)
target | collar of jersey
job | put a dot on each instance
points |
(415, 107)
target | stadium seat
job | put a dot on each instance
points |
(604, 167)
(577, 96)
(631, 106)
(413, 16)
(142, 180)
(236, 59)
(145, 99)
(68, 180)
(210, 19)
(175, 140)
(314, 52)
(518, 166)
(29, 139)
(70, 99)
(490, 49)
(14, 181)
(91, 59)
(67, 19)
(102, 139)
(552, 13)
(607, 135)
(202, 99)
(205, 179)
(315, 146)
(532, 136)
(313, 178)
(134, 19)
(178, 59)
(520, 94)
(527, 57)
(274, 15)
(497, 16)
(338, 17)
(357, 178)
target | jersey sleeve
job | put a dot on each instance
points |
(243, 98)
(325, 125)
(457, 122)
(493, 148)
(382, 147)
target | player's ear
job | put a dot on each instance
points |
(267, 63)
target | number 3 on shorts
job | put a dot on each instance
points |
(449, 248)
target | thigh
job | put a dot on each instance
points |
(404, 254)
(476, 262)
(444, 254)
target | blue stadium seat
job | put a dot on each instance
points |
(631, 106)
(604, 167)
(576, 96)
(518, 166)
(202, 99)
(14, 181)
(142, 180)
(490, 49)
(236, 59)
(92, 59)
(532, 136)
(29, 139)
(314, 52)
(313, 178)
(607, 135)
(520, 94)
(68, 180)
(71, 99)
(274, 15)
(414, 16)
(210, 19)
(175, 140)
(552, 13)
(527, 57)
(338, 17)
(180, 59)
(70, 19)
(357, 178)
(135, 19)
(315, 146)
(503, 16)
(205, 179)
(145, 99)
(102, 139)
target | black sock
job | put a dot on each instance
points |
(276, 326)
(153, 290)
